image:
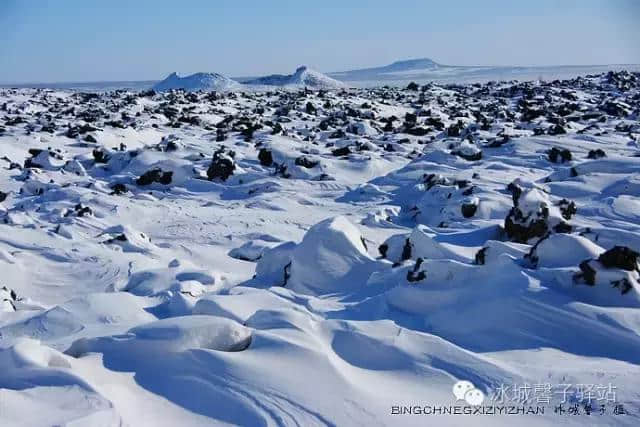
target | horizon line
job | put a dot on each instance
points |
(8, 84)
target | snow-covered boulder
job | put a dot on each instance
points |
(417, 244)
(45, 159)
(75, 167)
(440, 285)
(467, 151)
(169, 281)
(156, 170)
(617, 268)
(128, 238)
(563, 250)
(8, 299)
(493, 249)
(444, 201)
(534, 215)
(171, 142)
(362, 128)
(251, 250)
(222, 165)
(273, 266)
(332, 257)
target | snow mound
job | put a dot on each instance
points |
(44, 159)
(38, 388)
(80, 315)
(293, 166)
(172, 335)
(331, 258)
(127, 238)
(30, 353)
(303, 76)
(417, 244)
(155, 282)
(534, 215)
(435, 285)
(251, 250)
(241, 304)
(563, 250)
(614, 271)
(197, 81)
(273, 266)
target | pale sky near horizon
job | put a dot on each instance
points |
(74, 40)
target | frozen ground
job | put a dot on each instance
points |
(321, 257)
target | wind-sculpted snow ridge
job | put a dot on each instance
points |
(321, 257)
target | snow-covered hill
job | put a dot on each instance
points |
(303, 76)
(197, 81)
(413, 65)
(424, 69)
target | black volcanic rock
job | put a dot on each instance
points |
(222, 166)
(155, 175)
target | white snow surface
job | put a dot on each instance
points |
(350, 268)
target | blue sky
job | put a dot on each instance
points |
(73, 40)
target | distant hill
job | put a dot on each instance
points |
(303, 76)
(413, 65)
(197, 81)
(425, 69)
